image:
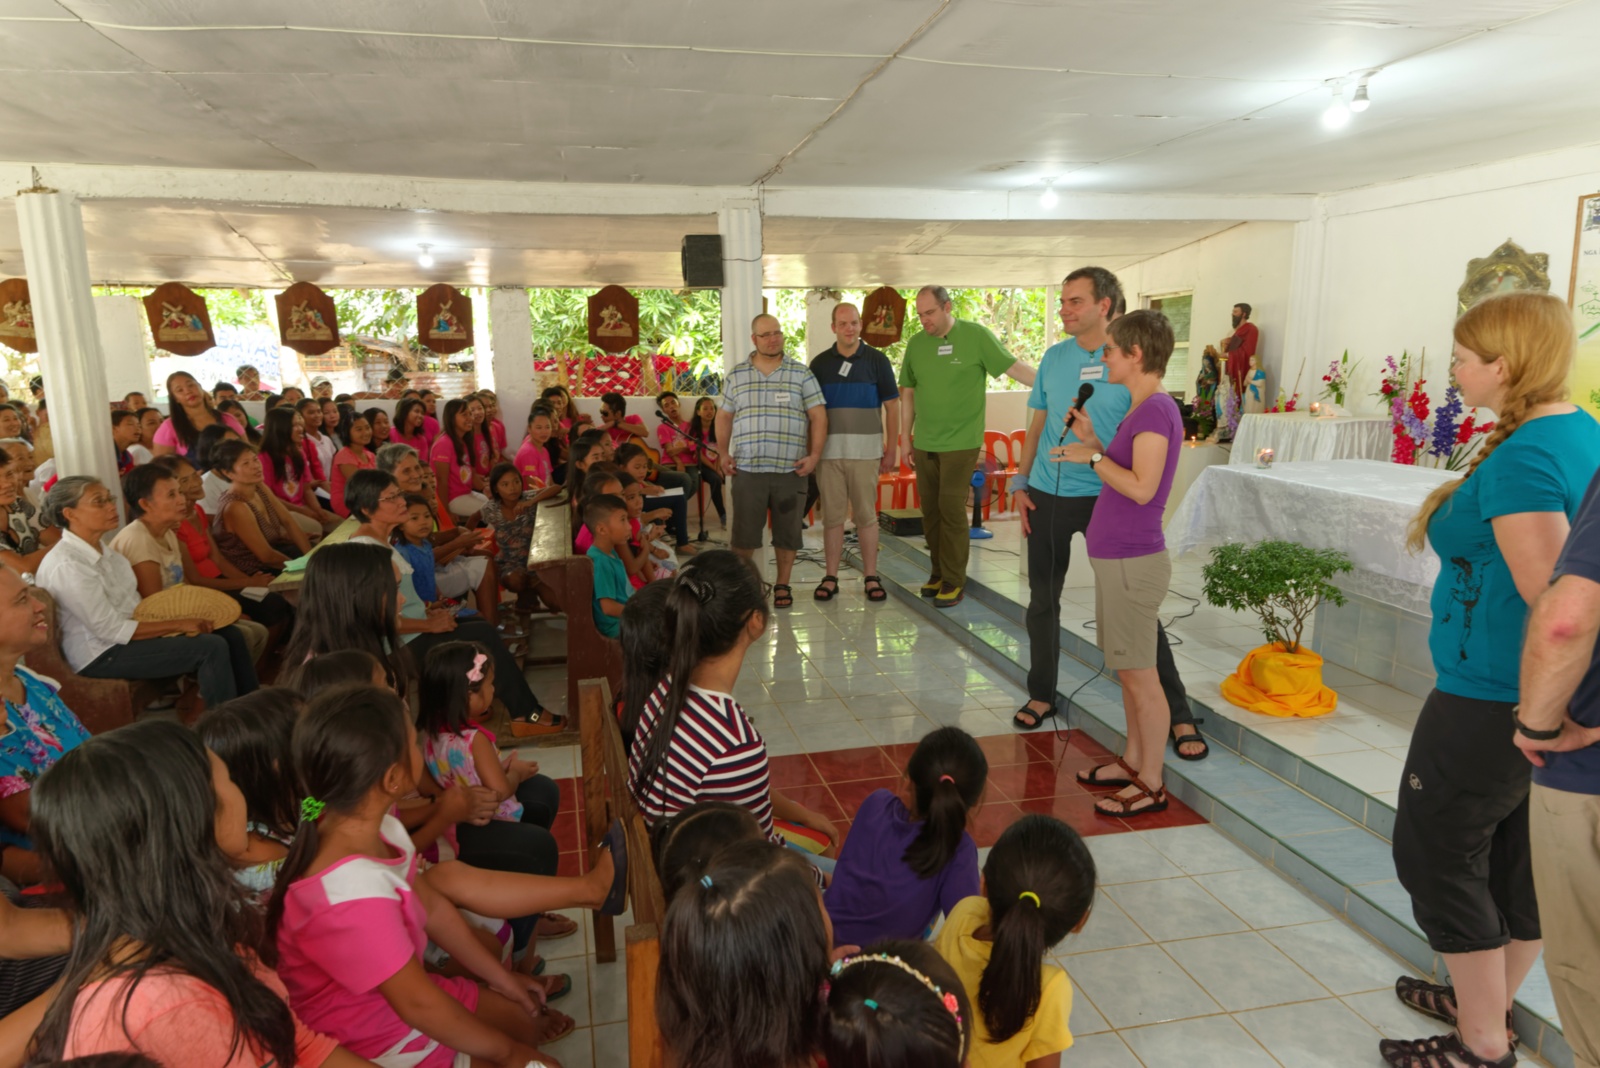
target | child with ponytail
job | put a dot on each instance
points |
(350, 917)
(694, 742)
(896, 1005)
(909, 856)
(1038, 888)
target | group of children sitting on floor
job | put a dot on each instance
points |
(771, 957)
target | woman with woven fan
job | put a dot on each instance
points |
(96, 593)
(161, 561)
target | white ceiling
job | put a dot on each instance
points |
(1121, 96)
(141, 242)
(1125, 95)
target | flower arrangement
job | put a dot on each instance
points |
(1285, 405)
(1338, 378)
(1395, 380)
(1448, 441)
(1228, 412)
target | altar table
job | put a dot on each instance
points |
(1295, 436)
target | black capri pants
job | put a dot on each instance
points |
(526, 846)
(1461, 844)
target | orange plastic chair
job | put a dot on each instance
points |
(997, 446)
(906, 487)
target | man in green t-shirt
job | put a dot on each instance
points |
(944, 394)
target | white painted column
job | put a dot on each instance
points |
(122, 332)
(1307, 289)
(739, 223)
(509, 355)
(70, 355)
(1052, 321)
(482, 354)
(819, 323)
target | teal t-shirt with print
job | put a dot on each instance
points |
(1478, 615)
(1063, 371)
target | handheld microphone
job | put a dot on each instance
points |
(1085, 391)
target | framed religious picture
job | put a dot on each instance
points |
(1583, 293)
(1505, 269)
(613, 320)
(883, 317)
(307, 320)
(16, 316)
(179, 321)
(444, 318)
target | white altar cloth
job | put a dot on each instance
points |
(1295, 436)
(1360, 507)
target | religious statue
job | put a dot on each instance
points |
(1255, 388)
(612, 324)
(1205, 392)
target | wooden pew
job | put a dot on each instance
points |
(606, 798)
(566, 582)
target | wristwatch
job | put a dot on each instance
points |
(1528, 732)
(1096, 458)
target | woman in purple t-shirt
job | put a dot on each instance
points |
(1129, 554)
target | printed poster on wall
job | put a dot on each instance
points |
(1584, 296)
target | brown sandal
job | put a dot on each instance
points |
(1092, 777)
(1158, 800)
(1440, 1051)
(1437, 1001)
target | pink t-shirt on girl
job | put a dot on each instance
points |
(167, 435)
(497, 435)
(419, 441)
(484, 454)
(346, 931)
(176, 1019)
(430, 428)
(313, 456)
(533, 464)
(284, 485)
(366, 461)
(458, 475)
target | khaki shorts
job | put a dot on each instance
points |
(755, 494)
(848, 486)
(1127, 602)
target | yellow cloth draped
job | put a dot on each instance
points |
(1280, 683)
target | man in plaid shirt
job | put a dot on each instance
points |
(774, 419)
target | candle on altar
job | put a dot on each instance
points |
(1316, 409)
(1264, 457)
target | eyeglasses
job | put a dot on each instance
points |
(390, 498)
(98, 502)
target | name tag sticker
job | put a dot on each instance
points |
(1092, 373)
(783, 398)
(844, 369)
(947, 350)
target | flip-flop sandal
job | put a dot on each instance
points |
(1092, 777)
(1038, 717)
(875, 590)
(1180, 740)
(616, 840)
(824, 591)
(782, 596)
(565, 1025)
(562, 989)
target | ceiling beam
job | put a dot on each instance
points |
(317, 189)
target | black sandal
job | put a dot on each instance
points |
(1436, 1001)
(782, 596)
(1038, 717)
(875, 590)
(1440, 1051)
(825, 592)
(1178, 741)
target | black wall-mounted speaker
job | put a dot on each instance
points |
(702, 261)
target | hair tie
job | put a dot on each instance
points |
(1030, 893)
(311, 810)
(702, 591)
(946, 998)
(705, 881)
(948, 779)
(476, 674)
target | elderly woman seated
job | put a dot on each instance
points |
(253, 528)
(156, 506)
(96, 592)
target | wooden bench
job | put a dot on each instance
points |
(606, 798)
(100, 704)
(566, 582)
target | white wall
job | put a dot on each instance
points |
(1249, 263)
(1396, 254)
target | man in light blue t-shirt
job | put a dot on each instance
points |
(1055, 500)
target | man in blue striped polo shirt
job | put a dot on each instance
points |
(858, 383)
(773, 418)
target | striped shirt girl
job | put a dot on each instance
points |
(716, 754)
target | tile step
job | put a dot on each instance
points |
(1321, 832)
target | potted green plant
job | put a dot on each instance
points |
(1282, 582)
